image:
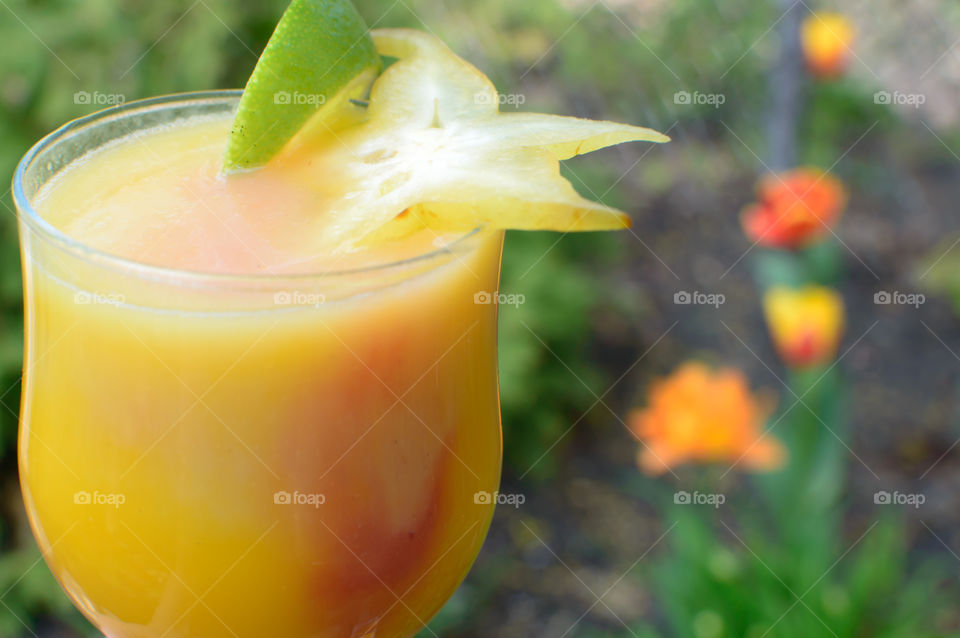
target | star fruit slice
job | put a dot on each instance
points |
(436, 152)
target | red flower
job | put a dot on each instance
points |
(794, 208)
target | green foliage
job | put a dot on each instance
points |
(747, 585)
(547, 381)
(29, 591)
(548, 378)
(818, 264)
(939, 271)
(839, 114)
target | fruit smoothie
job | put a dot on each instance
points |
(237, 448)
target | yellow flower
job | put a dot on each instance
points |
(805, 323)
(826, 39)
(702, 415)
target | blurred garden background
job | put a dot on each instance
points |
(798, 486)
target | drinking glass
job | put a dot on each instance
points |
(224, 456)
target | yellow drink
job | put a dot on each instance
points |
(250, 449)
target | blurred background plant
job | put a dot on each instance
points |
(601, 316)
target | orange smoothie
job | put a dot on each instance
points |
(225, 434)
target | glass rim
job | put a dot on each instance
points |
(76, 248)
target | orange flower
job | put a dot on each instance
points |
(806, 323)
(826, 40)
(794, 208)
(701, 415)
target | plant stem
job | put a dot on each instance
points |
(786, 89)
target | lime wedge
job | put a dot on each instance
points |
(319, 57)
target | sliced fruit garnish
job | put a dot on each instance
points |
(319, 57)
(436, 152)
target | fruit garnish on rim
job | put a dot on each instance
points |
(319, 58)
(433, 151)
